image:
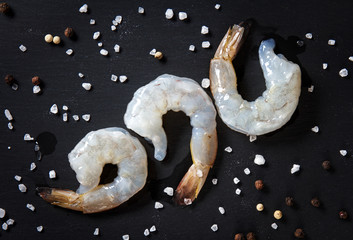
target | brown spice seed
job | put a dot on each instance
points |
(158, 55)
(343, 215)
(326, 165)
(69, 32)
(250, 236)
(259, 184)
(239, 236)
(9, 79)
(35, 80)
(315, 202)
(289, 201)
(299, 233)
(4, 7)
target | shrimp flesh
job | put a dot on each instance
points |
(144, 116)
(278, 102)
(87, 159)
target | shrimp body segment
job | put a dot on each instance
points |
(87, 159)
(144, 116)
(278, 102)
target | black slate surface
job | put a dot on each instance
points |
(330, 107)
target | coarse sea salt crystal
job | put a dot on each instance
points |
(199, 173)
(126, 237)
(153, 52)
(331, 42)
(146, 232)
(259, 159)
(92, 21)
(27, 137)
(295, 168)
(350, 58)
(116, 48)
(39, 228)
(122, 78)
(183, 16)
(217, 6)
(309, 35)
(30, 207)
(54, 109)
(343, 152)
(206, 44)
(14, 86)
(76, 117)
(22, 187)
(8, 114)
(10, 221)
(315, 129)
(221, 210)
(81, 75)
(119, 19)
(36, 89)
(69, 51)
(9, 147)
(4, 226)
(228, 149)
(96, 232)
(169, 191)
(65, 108)
(274, 226)
(214, 227)
(22, 48)
(252, 138)
(33, 166)
(141, 10)
(86, 117)
(192, 48)
(87, 86)
(238, 191)
(214, 181)
(311, 88)
(204, 30)
(187, 201)
(300, 43)
(83, 8)
(343, 72)
(205, 83)
(324, 66)
(10, 126)
(236, 180)
(169, 14)
(247, 171)
(114, 78)
(103, 52)
(17, 178)
(158, 205)
(2, 213)
(65, 117)
(115, 23)
(52, 174)
(153, 228)
(113, 27)
(96, 35)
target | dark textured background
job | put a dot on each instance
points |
(330, 107)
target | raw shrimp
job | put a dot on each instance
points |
(87, 159)
(144, 116)
(276, 105)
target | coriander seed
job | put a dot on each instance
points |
(250, 236)
(48, 38)
(158, 55)
(343, 215)
(56, 40)
(260, 207)
(326, 165)
(69, 32)
(35, 80)
(9, 79)
(239, 236)
(259, 184)
(299, 233)
(315, 202)
(277, 214)
(4, 7)
(289, 201)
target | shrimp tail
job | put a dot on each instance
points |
(191, 184)
(63, 198)
(232, 41)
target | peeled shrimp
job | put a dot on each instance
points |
(87, 159)
(276, 105)
(144, 116)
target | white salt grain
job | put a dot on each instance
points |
(36, 89)
(158, 205)
(141, 10)
(86, 117)
(169, 191)
(331, 42)
(65, 108)
(4, 226)
(238, 191)
(199, 173)
(309, 35)
(81, 75)
(169, 13)
(252, 138)
(228, 149)
(54, 109)
(2, 213)
(96, 232)
(114, 78)
(83, 8)
(214, 227)
(205, 83)
(259, 159)
(39, 228)
(311, 88)
(343, 72)
(247, 171)
(87, 86)
(76, 117)
(113, 27)
(187, 201)
(324, 66)
(10, 221)
(69, 51)
(126, 237)
(52, 174)
(153, 52)
(214, 181)
(92, 21)
(96, 35)
(295, 168)
(118, 19)
(14, 86)
(192, 48)
(103, 52)
(217, 6)
(221, 210)
(315, 129)
(274, 226)
(236, 180)
(65, 118)
(153, 228)
(33, 166)
(206, 44)
(204, 30)
(115, 23)
(9, 147)
(8, 115)
(146, 232)
(116, 48)
(22, 187)
(30, 207)
(18, 178)
(350, 58)
(27, 137)
(22, 48)
(183, 16)
(10, 126)
(343, 152)
(122, 78)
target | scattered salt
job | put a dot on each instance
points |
(247, 171)
(324, 66)
(10, 221)
(343, 152)
(18, 178)
(183, 15)
(114, 78)
(331, 42)
(350, 58)
(65, 108)
(27, 137)
(14, 86)
(87, 86)
(122, 78)
(259, 159)
(22, 187)
(309, 35)
(126, 237)
(96, 35)
(153, 228)
(116, 48)
(52, 174)
(214, 227)
(192, 48)
(206, 44)
(39, 228)
(9, 147)
(169, 191)
(214, 181)
(311, 88)
(92, 21)
(113, 27)
(65, 117)
(81, 75)
(274, 226)
(169, 13)
(221, 210)
(4, 226)
(8, 115)
(30, 207)
(199, 173)
(343, 72)
(187, 201)
(158, 205)
(100, 44)
(36, 89)
(96, 232)
(141, 10)
(295, 168)
(300, 43)
(204, 30)
(238, 191)
(205, 83)
(252, 138)
(22, 48)
(217, 6)
(76, 117)
(33, 166)
(54, 109)
(118, 19)
(228, 149)
(153, 52)
(10, 126)
(86, 117)
(2, 213)
(315, 129)
(146, 232)
(115, 22)
(236, 180)
(103, 52)
(36, 147)
(69, 51)
(83, 8)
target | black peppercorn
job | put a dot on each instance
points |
(315, 202)
(4, 7)
(250, 236)
(289, 201)
(69, 32)
(299, 233)
(326, 165)
(259, 184)
(343, 215)
(239, 236)
(36, 80)
(9, 79)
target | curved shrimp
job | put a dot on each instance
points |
(144, 116)
(87, 159)
(276, 105)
